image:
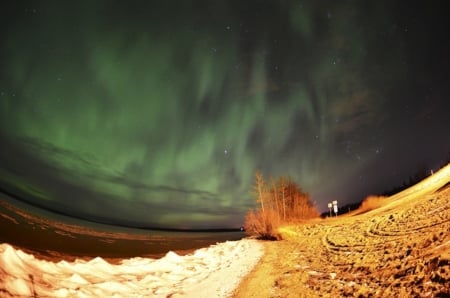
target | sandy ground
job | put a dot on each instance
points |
(401, 249)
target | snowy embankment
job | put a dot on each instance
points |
(214, 271)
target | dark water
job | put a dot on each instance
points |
(55, 236)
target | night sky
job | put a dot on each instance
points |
(158, 113)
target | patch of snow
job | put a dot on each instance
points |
(213, 271)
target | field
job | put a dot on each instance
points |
(401, 248)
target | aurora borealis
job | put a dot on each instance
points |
(158, 113)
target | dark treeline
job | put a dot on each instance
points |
(418, 176)
(421, 173)
(342, 209)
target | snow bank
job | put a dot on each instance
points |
(214, 271)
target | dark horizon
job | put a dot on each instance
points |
(14, 198)
(409, 181)
(56, 238)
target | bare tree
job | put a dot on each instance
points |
(295, 205)
(259, 189)
(275, 195)
(283, 197)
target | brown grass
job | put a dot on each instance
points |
(371, 203)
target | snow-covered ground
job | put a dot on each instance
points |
(213, 271)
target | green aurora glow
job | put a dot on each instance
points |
(160, 116)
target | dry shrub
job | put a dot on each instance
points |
(302, 209)
(370, 203)
(263, 225)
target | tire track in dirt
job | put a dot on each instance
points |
(402, 252)
(401, 249)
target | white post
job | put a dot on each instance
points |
(335, 207)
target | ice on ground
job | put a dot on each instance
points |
(213, 271)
